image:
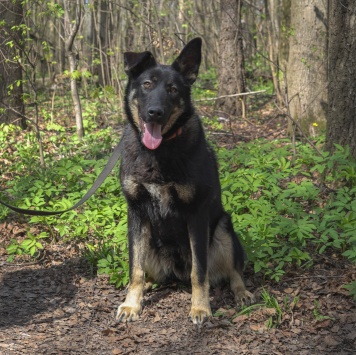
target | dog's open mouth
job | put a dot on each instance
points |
(152, 136)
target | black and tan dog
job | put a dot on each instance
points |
(177, 226)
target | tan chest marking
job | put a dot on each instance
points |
(160, 193)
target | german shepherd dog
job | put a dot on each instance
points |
(177, 227)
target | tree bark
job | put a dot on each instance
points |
(12, 107)
(271, 9)
(232, 67)
(341, 119)
(307, 65)
(284, 33)
(69, 44)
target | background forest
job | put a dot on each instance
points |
(276, 94)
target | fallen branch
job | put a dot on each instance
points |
(233, 95)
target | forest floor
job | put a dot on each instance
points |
(56, 306)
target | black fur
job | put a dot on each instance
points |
(171, 183)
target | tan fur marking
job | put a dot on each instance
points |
(220, 255)
(156, 267)
(221, 265)
(200, 294)
(134, 109)
(177, 111)
(162, 195)
(159, 192)
(237, 285)
(130, 186)
(132, 307)
(185, 192)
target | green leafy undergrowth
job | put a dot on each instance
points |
(284, 209)
(71, 169)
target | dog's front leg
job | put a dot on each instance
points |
(199, 239)
(138, 235)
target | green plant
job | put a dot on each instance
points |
(271, 302)
(275, 203)
(30, 245)
(283, 209)
(351, 287)
(316, 311)
(102, 218)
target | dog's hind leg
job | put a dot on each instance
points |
(226, 260)
(138, 236)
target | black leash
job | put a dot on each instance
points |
(106, 171)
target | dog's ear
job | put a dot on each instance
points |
(189, 59)
(136, 63)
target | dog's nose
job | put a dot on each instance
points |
(155, 113)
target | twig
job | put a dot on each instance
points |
(233, 95)
(20, 114)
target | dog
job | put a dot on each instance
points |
(177, 227)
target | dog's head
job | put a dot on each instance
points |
(158, 96)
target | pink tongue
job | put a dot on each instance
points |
(152, 137)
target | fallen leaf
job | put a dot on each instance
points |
(323, 324)
(107, 332)
(240, 319)
(331, 341)
(257, 327)
(269, 311)
(157, 318)
(296, 330)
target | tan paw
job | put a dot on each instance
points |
(199, 314)
(128, 313)
(245, 298)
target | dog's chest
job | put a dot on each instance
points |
(162, 197)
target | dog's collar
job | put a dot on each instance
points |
(177, 133)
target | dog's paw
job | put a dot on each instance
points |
(245, 298)
(128, 313)
(199, 314)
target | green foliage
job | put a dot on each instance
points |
(206, 86)
(59, 186)
(284, 209)
(272, 303)
(351, 287)
(29, 246)
(271, 307)
(316, 311)
(280, 212)
(111, 259)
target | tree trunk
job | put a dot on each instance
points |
(69, 44)
(284, 33)
(307, 65)
(232, 67)
(271, 9)
(341, 119)
(12, 107)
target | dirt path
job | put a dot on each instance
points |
(57, 307)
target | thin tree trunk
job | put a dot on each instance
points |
(69, 44)
(11, 91)
(273, 45)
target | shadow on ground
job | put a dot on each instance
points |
(31, 294)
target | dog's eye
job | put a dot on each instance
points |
(147, 85)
